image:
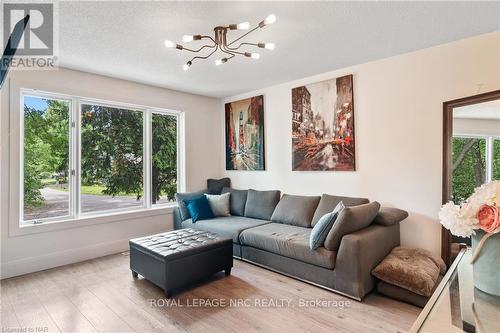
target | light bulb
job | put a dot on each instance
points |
(169, 43)
(187, 38)
(243, 26)
(255, 55)
(270, 19)
(186, 65)
(219, 62)
(269, 46)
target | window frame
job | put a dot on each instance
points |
(76, 217)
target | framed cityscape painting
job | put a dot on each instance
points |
(323, 126)
(245, 134)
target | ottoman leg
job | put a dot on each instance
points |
(135, 275)
(227, 271)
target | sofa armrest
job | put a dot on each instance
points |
(359, 253)
(177, 218)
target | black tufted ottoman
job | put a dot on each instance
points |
(177, 258)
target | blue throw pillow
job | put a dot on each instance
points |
(199, 208)
(323, 226)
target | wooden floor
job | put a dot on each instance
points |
(101, 295)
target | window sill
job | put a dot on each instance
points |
(87, 220)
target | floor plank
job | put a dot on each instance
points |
(100, 295)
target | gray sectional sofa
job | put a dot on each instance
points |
(273, 231)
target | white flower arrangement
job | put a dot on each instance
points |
(480, 211)
(462, 219)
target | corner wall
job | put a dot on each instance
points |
(398, 123)
(203, 132)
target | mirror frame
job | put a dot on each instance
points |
(447, 151)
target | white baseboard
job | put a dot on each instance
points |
(51, 260)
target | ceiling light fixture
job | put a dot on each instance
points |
(220, 42)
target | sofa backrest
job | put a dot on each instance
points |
(328, 203)
(261, 204)
(237, 200)
(295, 210)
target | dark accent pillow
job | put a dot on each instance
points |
(323, 227)
(295, 210)
(350, 220)
(180, 197)
(389, 216)
(215, 186)
(404, 295)
(199, 208)
(261, 204)
(329, 202)
(237, 200)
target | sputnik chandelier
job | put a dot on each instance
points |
(220, 42)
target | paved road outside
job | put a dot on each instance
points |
(57, 203)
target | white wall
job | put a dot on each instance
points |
(203, 156)
(398, 122)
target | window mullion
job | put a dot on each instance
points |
(75, 158)
(147, 143)
(489, 158)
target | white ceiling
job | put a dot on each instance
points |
(486, 110)
(125, 39)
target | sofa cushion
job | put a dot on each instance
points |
(230, 226)
(219, 203)
(295, 210)
(237, 200)
(289, 241)
(350, 220)
(390, 216)
(322, 228)
(180, 197)
(215, 186)
(329, 202)
(261, 204)
(199, 208)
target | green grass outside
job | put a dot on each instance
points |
(48, 181)
(89, 189)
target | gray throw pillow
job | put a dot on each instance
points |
(180, 197)
(261, 204)
(215, 186)
(321, 229)
(237, 200)
(329, 202)
(295, 210)
(350, 220)
(219, 204)
(389, 216)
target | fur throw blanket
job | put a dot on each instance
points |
(414, 269)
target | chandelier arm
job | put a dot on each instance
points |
(207, 56)
(208, 37)
(244, 35)
(198, 50)
(234, 52)
(226, 51)
(241, 44)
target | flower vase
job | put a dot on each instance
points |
(486, 267)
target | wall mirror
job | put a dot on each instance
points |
(471, 154)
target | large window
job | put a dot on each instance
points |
(475, 161)
(46, 158)
(112, 175)
(83, 158)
